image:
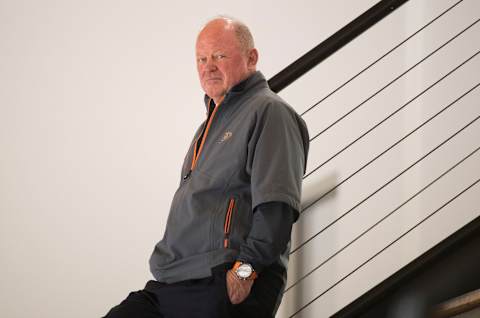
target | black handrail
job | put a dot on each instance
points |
(331, 45)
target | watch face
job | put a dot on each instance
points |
(244, 271)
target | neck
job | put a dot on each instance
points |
(218, 100)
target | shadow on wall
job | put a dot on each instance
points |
(310, 194)
(318, 188)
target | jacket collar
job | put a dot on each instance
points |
(256, 79)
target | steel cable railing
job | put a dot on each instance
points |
(382, 187)
(376, 93)
(333, 43)
(386, 247)
(390, 181)
(378, 124)
(398, 175)
(379, 59)
(395, 177)
(382, 219)
(401, 205)
(394, 80)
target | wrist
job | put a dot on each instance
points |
(244, 271)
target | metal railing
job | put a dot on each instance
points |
(326, 49)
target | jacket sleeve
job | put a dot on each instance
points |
(269, 236)
(277, 152)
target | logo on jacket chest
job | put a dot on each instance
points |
(226, 136)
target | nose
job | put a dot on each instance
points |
(210, 65)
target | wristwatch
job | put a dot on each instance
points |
(244, 271)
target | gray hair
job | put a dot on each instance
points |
(242, 32)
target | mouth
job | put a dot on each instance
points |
(213, 79)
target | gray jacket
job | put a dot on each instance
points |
(254, 151)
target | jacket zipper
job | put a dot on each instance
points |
(228, 222)
(202, 142)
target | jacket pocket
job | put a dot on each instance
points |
(227, 227)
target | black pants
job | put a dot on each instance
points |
(201, 298)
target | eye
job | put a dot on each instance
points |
(201, 60)
(219, 56)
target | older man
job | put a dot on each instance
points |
(225, 248)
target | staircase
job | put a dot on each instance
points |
(393, 111)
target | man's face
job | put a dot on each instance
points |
(221, 63)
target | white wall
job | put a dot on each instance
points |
(98, 101)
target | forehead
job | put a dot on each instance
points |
(217, 37)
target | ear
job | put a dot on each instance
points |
(252, 58)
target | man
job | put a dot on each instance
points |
(226, 243)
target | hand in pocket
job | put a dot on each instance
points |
(238, 289)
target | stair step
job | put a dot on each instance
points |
(466, 305)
